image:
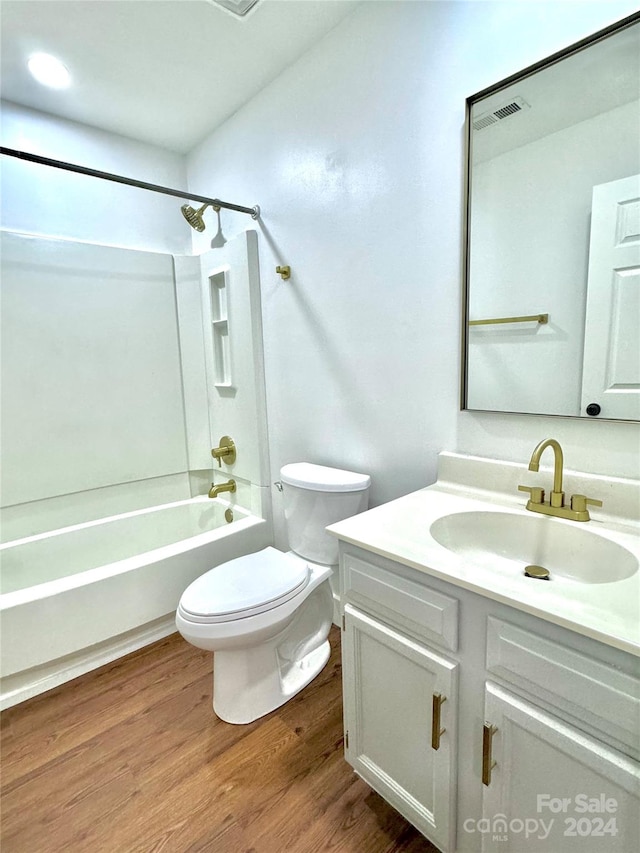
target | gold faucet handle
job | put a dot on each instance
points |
(226, 451)
(579, 502)
(537, 494)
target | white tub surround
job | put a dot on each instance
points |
(145, 390)
(496, 711)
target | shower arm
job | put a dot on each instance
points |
(254, 212)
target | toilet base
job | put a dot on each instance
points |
(251, 683)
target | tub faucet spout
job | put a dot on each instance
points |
(214, 491)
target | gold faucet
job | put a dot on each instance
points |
(229, 486)
(557, 495)
(577, 511)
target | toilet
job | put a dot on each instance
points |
(267, 615)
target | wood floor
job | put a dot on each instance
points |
(131, 759)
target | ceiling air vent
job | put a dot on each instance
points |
(237, 7)
(506, 110)
(484, 121)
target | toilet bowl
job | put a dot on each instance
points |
(266, 616)
(271, 646)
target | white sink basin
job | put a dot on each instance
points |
(501, 541)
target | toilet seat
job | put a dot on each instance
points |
(244, 587)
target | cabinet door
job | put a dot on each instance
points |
(552, 788)
(393, 686)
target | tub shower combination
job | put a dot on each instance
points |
(74, 598)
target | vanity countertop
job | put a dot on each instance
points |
(400, 530)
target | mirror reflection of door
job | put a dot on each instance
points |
(611, 375)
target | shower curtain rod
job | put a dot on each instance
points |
(254, 212)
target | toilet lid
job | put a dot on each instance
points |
(245, 586)
(307, 475)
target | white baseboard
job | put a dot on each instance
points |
(32, 682)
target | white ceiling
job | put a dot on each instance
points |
(161, 71)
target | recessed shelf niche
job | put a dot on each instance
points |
(220, 330)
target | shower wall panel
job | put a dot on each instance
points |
(91, 382)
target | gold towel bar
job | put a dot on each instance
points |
(539, 318)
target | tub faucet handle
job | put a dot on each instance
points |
(226, 450)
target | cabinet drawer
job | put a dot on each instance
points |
(404, 603)
(591, 691)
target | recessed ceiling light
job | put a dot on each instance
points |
(49, 71)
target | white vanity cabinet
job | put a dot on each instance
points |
(556, 788)
(400, 713)
(400, 694)
(574, 723)
(540, 728)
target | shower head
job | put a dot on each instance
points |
(194, 217)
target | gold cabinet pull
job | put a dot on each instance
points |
(488, 764)
(436, 731)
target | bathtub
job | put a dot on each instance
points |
(76, 598)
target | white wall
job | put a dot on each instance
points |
(360, 358)
(355, 155)
(47, 201)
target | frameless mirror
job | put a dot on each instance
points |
(552, 307)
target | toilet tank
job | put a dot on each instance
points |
(314, 497)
